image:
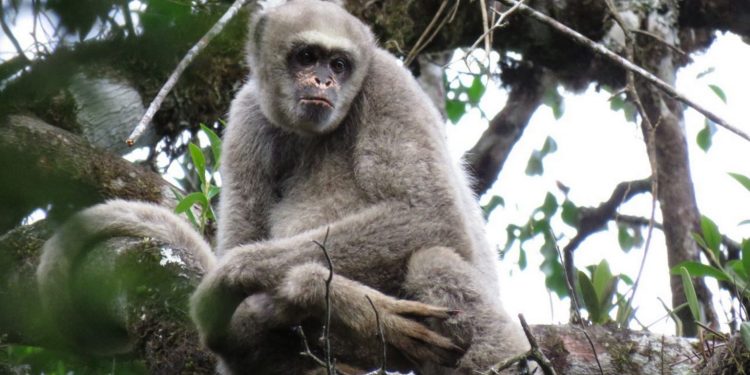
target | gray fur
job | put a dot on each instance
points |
(400, 216)
(403, 227)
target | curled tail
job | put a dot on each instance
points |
(72, 242)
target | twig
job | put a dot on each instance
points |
(128, 18)
(628, 65)
(309, 354)
(380, 334)
(327, 328)
(536, 354)
(426, 38)
(660, 40)
(189, 57)
(498, 23)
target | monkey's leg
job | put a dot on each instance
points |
(441, 277)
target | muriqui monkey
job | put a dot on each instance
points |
(329, 135)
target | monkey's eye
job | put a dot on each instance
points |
(306, 57)
(339, 65)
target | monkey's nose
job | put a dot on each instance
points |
(325, 84)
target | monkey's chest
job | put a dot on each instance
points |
(312, 198)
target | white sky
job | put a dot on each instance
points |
(597, 149)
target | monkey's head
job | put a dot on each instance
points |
(308, 59)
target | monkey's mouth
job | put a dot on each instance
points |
(316, 100)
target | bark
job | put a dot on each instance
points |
(51, 167)
(665, 138)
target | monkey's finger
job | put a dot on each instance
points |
(420, 351)
(406, 307)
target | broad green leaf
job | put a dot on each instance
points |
(534, 167)
(692, 298)
(189, 200)
(549, 146)
(553, 270)
(626, 279)
(454, 109)
(213, 191)
(570, 213)
(711, 235)
(738, 268)
(698, 269)
(590, 298)
(215, 145)
(601, 278)
(744, 180)
(199, 161)
(624, 238)
(744, 222)
(705, 138)
(476, 90)
(746, 255)
(745, 333)
(719, 92)
(550, 205)
(554, 100)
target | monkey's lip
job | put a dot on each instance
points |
(316, 100)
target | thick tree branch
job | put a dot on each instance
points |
(487, 157)
(595, 219)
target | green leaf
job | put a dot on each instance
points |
(744, 180)
(711, 235)
(746, 255)
(549, 146)
(744, 222)
(534, 167)
(692, 298)
(738, 268)
(719, 92)
(549, 207)
(190, 200)
(554, 100)
(570, 213)
(199, 161)
(745, 333)
(705, 138)
(213, 191)
(522, 261)
(494, 202)
(590, 299)
(601, 278)
(455, 109)
(624, 238)
(215, 145)
(698, 269)
(476, 90)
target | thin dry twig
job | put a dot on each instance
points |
(327, 328)
(628, 65)
(535, 354)
(10, 35)
(431, 30)
(381, 335)
(175, 76)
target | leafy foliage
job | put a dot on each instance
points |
(460, 97)
(202, 199)
(598, 291)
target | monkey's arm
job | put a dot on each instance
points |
(247, 155)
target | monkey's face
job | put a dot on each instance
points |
(318, 76)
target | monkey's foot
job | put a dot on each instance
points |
(403, 328)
